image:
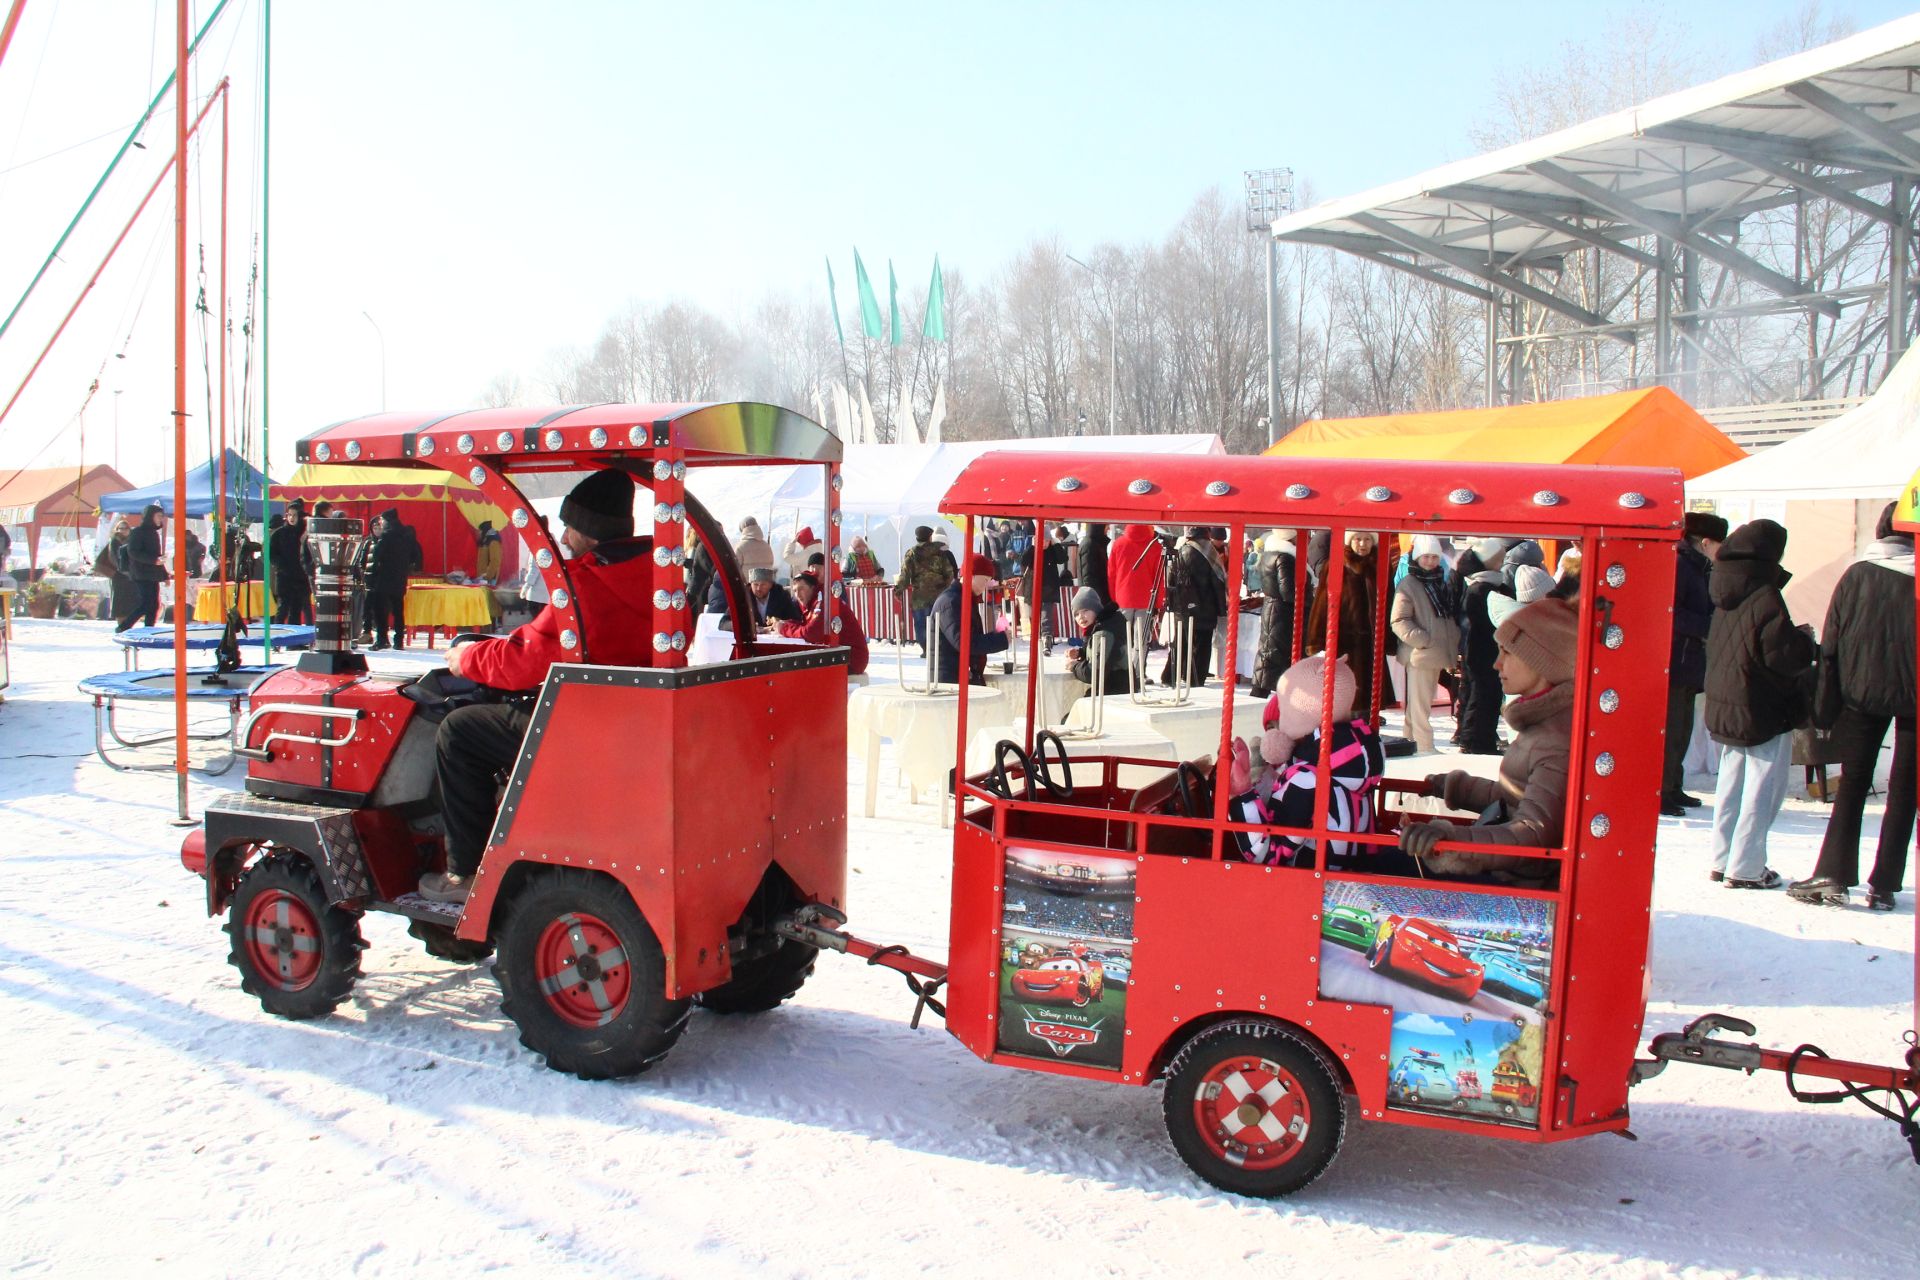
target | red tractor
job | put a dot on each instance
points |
(658, 818)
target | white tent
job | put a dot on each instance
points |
(1866, 453)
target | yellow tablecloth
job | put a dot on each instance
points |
(210, 602)
(441, 605)
(6, 610)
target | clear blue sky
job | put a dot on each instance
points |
(490, 180)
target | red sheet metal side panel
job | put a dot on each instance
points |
(1614, 818)
(356, 767)
(808, 781)
(973, 942)
(1219, 938)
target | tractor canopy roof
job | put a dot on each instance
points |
(1363, 493)
(572, 437)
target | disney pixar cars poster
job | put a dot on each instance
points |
(1468, 978)
(1066, 954)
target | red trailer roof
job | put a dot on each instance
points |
(1263, 491)
(741, 431)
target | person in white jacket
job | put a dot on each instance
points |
(1425, 620)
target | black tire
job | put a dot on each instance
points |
(297, 953)
(763, 983)
(1380, 952)
(442, 944)
(600, 1021)
(1309, 1106)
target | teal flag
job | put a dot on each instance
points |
(869, 305)
(893, 305)
(833, 305)
(935, 326)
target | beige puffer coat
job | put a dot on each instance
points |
(1429, 640)
(1532, 786)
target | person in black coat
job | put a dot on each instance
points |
(1101, 625)
(1093, 560)
(1758, 664)
(1867, 682)
(1480, 717)
(1276, 612)
(146, 567)
(1196, 596)
(943, 622)
(394, 557)
(292, 562)
(1687, 663)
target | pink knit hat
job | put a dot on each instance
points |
(1293, 712)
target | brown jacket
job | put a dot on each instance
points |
(1429, 639)
(1532, 786)
(1356, 621)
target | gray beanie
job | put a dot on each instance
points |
(1086, 598)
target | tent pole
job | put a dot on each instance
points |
(180, 407)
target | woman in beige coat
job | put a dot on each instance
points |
(1425, 619)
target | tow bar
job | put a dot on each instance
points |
(1697, 1044)
(817, 925)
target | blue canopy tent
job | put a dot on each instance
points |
(246, 489)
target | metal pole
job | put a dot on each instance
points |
(1273, 340)
(1899, 254)
(180, 406)
(1113, 361)
(383, 360)
(266, 277)
(13, 20)
(1663, 311)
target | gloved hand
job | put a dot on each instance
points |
(1418, 839)
(1436, 785)
(1240, 773)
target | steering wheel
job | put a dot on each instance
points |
(1063, 789)
(1199, 788)
(998, 782)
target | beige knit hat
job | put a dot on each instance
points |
(1545, 635)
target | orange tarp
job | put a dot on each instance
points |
(1651, 427)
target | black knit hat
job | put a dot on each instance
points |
(601, 506)
(153, 508)
(1705, 524)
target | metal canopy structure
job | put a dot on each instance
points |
(1651, 203)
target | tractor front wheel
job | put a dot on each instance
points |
(1254, 1109)
(583, 977)
(297, 953)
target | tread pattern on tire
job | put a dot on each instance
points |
(440, 942)
(341, 942)
(764, 983)
(644, 1031)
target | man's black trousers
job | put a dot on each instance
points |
(474, 745)
(1856, 742)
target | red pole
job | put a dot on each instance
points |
(101, 269)
(220, 499)
(6, 32)
(180, 405)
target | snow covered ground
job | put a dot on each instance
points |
(154, 1121)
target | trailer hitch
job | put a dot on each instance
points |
(1696, 1044)
(817, 925)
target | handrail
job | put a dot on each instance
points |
(351, 715)
(1097, 645)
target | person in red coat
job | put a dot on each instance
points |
(1133, 568)
(813, 624)
(612, 576)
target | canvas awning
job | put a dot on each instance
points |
(1650, 427)
(57, 497)
(321, 482)
(245, 486)
(1865, 453)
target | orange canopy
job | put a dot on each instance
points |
(1651, 427)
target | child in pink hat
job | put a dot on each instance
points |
(1283, 794)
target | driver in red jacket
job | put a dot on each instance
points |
(612, 578)
(813, 625)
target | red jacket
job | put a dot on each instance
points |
(814, 631)
(1133, 566)
(613, 585)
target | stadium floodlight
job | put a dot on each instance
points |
(1269, 196)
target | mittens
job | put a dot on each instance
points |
(1240, 775)
(1418, 839)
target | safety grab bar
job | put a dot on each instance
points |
(263, 752)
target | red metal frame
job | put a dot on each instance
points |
(1192, 961)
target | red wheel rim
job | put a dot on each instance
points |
(583, 969)
(282, 939)
(1252, 1113)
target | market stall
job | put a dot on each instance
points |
(444, 511)
(32, 502)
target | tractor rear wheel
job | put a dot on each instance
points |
(583, 977)
(1254, 1109)
(765, 982)
(297, 953)
(442, 944)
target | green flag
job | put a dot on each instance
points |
(833, 304)
(935, 326)
(893, 305)
(869, 305)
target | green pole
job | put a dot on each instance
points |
(266, 276)
(119, 155)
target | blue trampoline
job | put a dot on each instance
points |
(110, 690)
(206, 635)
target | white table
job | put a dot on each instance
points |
(923, 728)
(1193, 727)
(1057, 689)
(711, 643)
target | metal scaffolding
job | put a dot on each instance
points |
(1782, 192)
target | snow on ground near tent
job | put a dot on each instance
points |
(153, 1119)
